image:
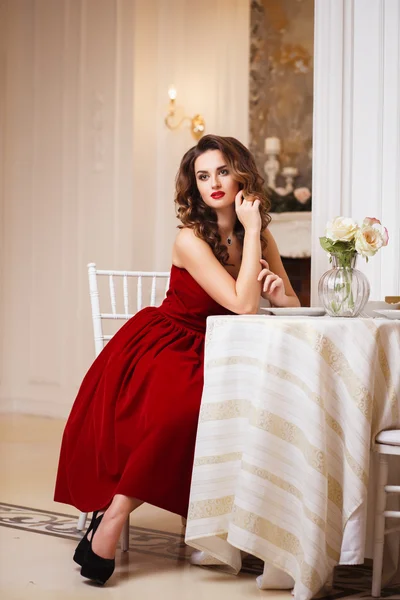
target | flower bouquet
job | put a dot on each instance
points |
(344, 290)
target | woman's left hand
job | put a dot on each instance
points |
(273, 288)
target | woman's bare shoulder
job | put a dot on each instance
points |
(187, 244)
(184, 233)
(186, 239)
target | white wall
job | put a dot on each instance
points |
(197, 51)
(356, 141)
(87, 166)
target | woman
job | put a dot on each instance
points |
(131, 433)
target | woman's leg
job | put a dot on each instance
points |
(107, 535)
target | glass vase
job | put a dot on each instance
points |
(343, 290)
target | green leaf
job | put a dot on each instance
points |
(342, 247)
(326, 244)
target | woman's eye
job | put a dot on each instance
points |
(224, 172)
(203, 177)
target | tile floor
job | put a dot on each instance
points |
(38, 536)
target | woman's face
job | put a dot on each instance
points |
(214, 180)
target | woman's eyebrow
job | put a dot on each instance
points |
(218, 168)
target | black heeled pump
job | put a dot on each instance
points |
(95, 567)
(83, 546)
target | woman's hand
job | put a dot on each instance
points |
(248, 211)
(273, 288)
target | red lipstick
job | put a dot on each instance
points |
(217, 195)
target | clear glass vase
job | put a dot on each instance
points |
(343, 290)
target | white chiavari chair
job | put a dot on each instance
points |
(387, 443)
(121, 307)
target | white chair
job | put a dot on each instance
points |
(387, 442)
(115, 304)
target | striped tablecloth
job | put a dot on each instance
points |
(289, 411)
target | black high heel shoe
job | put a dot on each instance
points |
(83, 546)
(95, 567)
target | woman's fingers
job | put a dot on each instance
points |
(268, 281)
(277, 283)
(274, 285)
(264, 271)
(248, 210)
(248, 202)
(271, 281)
(261, 275)
(238, 199)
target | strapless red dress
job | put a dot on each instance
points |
(132, 428)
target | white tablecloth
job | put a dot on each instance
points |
(282, 460)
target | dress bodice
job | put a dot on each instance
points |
(187, 302)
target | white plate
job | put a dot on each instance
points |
(298, 311)
(389, 314)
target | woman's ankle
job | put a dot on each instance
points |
(105, 541)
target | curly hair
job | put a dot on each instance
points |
(194, 213)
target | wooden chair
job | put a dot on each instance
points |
(387, 442)
(120, 309)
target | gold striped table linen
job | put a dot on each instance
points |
(289, 409)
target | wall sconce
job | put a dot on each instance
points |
(172, 120)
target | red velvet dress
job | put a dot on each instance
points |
(133, 425)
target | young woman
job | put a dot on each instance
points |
(131, 433)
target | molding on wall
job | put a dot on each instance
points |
(390, 272)
(327, 130)
(356, 147)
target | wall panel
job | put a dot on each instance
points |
(356, 159)
(88, 166)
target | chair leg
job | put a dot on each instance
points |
(81, 521)
(125, 537)
(379, 528)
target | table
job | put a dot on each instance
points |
(290, 408)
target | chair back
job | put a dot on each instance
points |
(143, 285)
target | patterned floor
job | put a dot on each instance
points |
(349, 582)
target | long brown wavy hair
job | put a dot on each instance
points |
(194, 212)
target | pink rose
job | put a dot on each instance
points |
(371, 222)
(371, 237)
(302, 194)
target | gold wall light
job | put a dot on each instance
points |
(174, 120)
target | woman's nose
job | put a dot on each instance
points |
(215, 182)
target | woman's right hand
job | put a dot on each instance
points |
(248, 211)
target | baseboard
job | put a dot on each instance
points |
(32, 406)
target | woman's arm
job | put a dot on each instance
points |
(195, 255)
(276, 286)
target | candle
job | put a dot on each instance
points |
(289, 171)
(272, 145)
(172, 92)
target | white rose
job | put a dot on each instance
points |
(368, 240)
(341, 229)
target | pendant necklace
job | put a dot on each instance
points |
(229, 240)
